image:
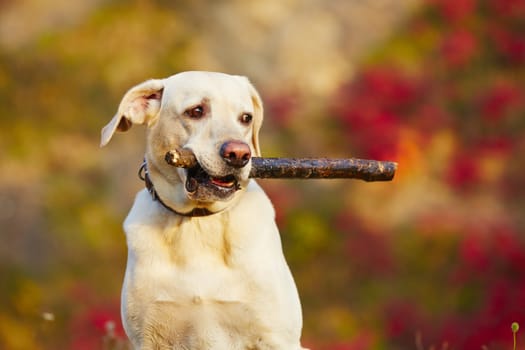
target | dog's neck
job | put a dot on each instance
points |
(195, 212)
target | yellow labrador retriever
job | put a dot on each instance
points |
(205, 265)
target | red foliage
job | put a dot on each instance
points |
(284, 198)
(511, 251)
(473, 253)
(89, 327)
(280, 107)
(370, 110)
(496, 145)
(458, 48)
(491, 324)
(463, 171)
(454, 11)
(481, 107)
(429, 118)
(366, 249)
(402, 319)
(492, 257)
(509, 44)
(370, 252)
(495, 248)
(389, 87)
(510, 9)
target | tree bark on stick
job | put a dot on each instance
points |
(303, 168)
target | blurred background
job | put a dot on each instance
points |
(433, 260)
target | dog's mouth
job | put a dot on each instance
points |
(203, 187)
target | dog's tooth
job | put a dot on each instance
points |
(191, 185)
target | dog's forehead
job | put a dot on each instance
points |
(190, 88)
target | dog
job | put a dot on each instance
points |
(205, 267)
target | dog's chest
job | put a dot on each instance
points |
(193, 259)
(189, 282)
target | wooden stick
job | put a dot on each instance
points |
(302, 168)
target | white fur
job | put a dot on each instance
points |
(212, 282)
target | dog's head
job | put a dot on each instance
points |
(217, 116)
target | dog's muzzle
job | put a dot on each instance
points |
(202, 186)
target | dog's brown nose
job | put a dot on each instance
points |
(235, 153)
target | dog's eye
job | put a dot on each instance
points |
(246, 118)
(195, 112)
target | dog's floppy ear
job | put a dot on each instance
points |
(257, 116)
(138, 106)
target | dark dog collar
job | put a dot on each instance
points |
(144, 176)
